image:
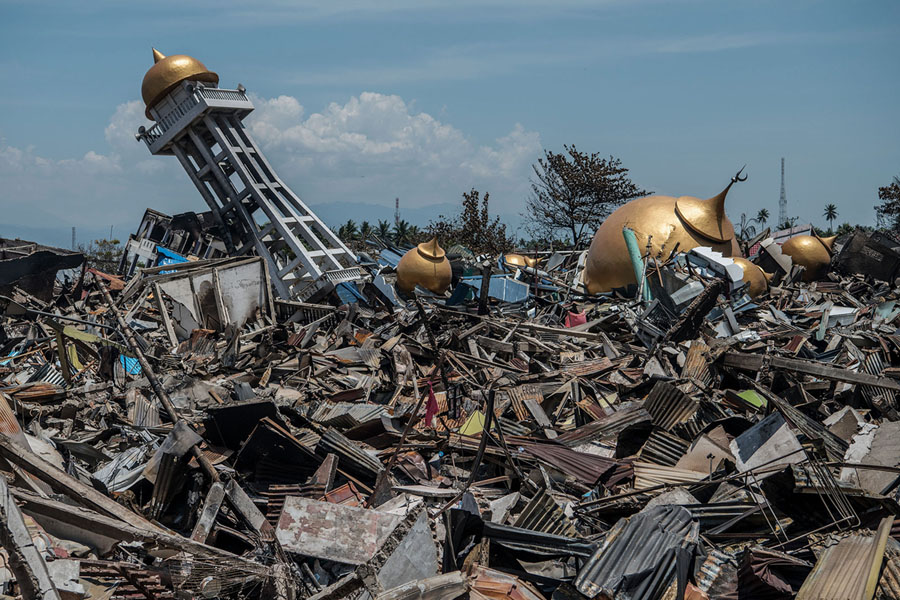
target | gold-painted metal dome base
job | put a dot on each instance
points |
(812, 252)
(167, 72)
(753, 275)
(425, 265)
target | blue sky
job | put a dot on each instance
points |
(359, 102)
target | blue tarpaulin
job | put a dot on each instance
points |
(131, 365)
(164, 256)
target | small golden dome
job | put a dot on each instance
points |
(812, 252)
(686, 222)
(169, 71)
(756, 277)
(520, 261)
(425, 265)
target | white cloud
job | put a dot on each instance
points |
(369, 149)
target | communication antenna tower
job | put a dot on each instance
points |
(396, 212)
(782, 201)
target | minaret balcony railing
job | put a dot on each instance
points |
(199, 99)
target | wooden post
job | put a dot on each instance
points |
(485, 287)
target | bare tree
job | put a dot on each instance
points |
(889, 209)
(575, 191)
(473, 227)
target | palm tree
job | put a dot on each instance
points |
(365, 231)
(383, 230)
(401, 232)
(348, 230)
(746, 230)
(762, 216)
(830, 215)
(414, 233)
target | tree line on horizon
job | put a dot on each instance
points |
(572, 193)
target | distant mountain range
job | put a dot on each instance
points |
(334, 215)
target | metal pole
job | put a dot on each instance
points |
(158, 389)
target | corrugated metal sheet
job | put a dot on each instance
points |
(668, 405)
(717, 576)
(518, 396)
(346, 414)
(874, 365)
(696, 365)
(538, 543)
(608, 427)
(586, 468)
(648, 475)
(276, 494)
(543, 514)
(353, 459)
(849, 569)
(663, 448)
(588, 367)
(46, 374)
(143, 412)
(637, 559)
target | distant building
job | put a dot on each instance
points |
(161, 239)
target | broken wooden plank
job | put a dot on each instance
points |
(755, 362)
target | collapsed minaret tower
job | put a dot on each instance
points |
(202, 125)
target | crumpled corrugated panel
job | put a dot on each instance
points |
(586, 468)
(849, 569)
(637, 559)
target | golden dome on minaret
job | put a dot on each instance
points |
(425, 265)
(665, 221)
(169, 71)
(753, 275)
(812, 252)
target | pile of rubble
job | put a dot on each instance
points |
(186, 434)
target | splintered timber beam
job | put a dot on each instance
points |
(135, 531)
(25, 560)
(63, 483)
(755, 362)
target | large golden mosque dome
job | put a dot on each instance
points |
(169, 71)
(425, 265)
(665, 221)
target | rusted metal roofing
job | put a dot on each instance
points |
(353, 459)
(588, 367)
(586, 468)
(668, 405)
(608, 427)
(848, 570)
(542, 513)
(663, 448)
(518, 396)
(696, 365)
(637, 558)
